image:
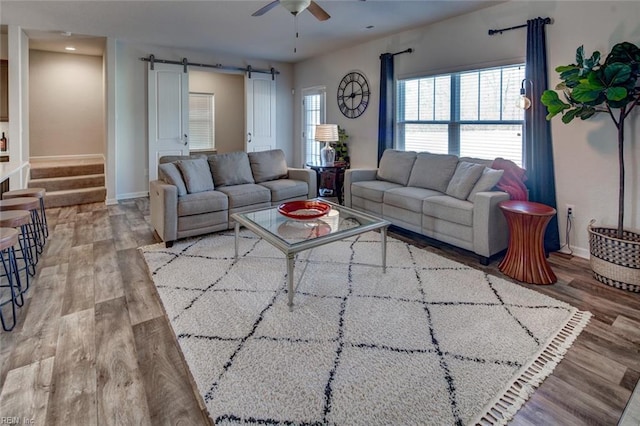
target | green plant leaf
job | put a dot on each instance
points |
(593, 81)
(624, 52)
(553, 103)
(580, 56)
(568, 116)
(616, 93)
(586, 93)
(616, 73)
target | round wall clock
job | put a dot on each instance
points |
(353, 94)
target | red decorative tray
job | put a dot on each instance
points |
(304, 209)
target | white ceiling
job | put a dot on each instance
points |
(222, 27)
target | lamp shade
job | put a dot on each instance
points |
(327, 132)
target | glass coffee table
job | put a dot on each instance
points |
(292, 236)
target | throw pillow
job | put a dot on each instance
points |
(463, 180)
(433, 171)
(196, 174)
(395, 166)
(230, 169)
(489, 178)
(169, 173)
(268, 165)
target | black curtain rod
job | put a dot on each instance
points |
(500, 31)
(152, 59)
(409, 50)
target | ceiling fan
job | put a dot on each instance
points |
(295, 7)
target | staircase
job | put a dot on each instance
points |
(69, 182)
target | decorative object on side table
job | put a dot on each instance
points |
(342, 149)
(589, 88)
(327, 133)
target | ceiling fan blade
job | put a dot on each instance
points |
(318, 12)
(266, 8)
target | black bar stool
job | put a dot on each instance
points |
(40, 194)
(9, 271)
(32, 205)
(22, 219)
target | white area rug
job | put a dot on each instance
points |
(431, 341)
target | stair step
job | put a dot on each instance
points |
(43, 172)
(72, 197)
(70, 182)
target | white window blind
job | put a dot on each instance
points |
(201, 122)
(471, 113)
(313, 104)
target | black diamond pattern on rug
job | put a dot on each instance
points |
(430, 341)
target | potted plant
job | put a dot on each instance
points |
(342, 150)
(590, 88)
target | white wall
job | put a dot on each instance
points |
(131, 108)
(67, 104)
(585, 152)
(228, 91)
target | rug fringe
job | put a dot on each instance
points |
(502, 409)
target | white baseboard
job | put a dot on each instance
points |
(111, 201)
(131, 195)
(577, 251)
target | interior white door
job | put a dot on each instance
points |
(260, 96)
(168, 105)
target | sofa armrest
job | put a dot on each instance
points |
(490, 231)
(163, 203)
(305, 175)
(356, 175)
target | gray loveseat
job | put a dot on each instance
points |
(441, 196)
(197, 194)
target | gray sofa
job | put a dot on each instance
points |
(444, 197)
(197, 194)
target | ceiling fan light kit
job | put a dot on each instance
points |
(295, 6)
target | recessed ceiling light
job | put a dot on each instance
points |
(70, 48)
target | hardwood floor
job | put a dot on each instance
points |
(92, 345)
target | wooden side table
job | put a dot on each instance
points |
(525, 259)
(338, 169)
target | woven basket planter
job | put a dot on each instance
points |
(615, 261)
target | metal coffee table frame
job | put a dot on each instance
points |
(265, 224)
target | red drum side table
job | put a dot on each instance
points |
(525, 259)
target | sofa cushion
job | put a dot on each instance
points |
(283, 189)
(246, 194)
(169, 173)
(230, 169)
(487, 181)
(484, 162)
(202, 202)
(372, 190)
(196, 175)
(408, 197)
(449, 208)
(395, 166)
(463, 180)
(433, 171)
(268, 165)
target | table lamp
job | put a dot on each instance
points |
(327, 133)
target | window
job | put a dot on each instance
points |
(201, 122)
(470, 114)
(313, 112)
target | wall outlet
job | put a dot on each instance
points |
(571, 210)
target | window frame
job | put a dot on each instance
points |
(455, 123)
